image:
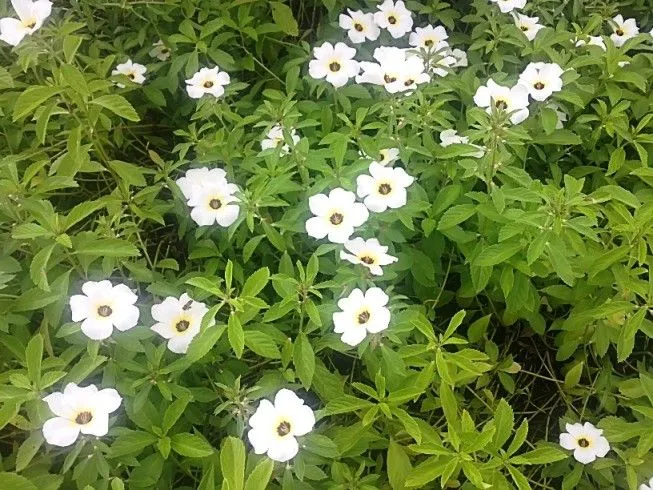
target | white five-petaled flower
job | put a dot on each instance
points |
(429, 38)
(513, 100)
(336, 215)
(586, 441)
(134, 71)
(78, 410)
(31, 16)
(197, 177)
(509, 5)
(336, 63)
(644, 486)
(160, 51)
(528, 25)
(102, 307)
(275, 427)
(369, 253)
(451, 137)
(623, 30)
(384, 188)
(207, 81)
(387, 156)
(359, 26)
(179, 321)
(211, 196)
(395, 17)
(361, 313)
(542, 79)
(397, 70)
(275, 138)
(592, 41)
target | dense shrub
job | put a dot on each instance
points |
(237, 257)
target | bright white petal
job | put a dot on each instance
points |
(60, 432)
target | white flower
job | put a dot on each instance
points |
(460, 56)
(623, 30)
(79, 410)
(274, 428)
(509, 5)
(593, 41)
(429, 38)
(359, 26)
(528, 25)
(31, 16)
(644, 486)
(160, 51)
(512, 100)
(197, 177)
(370, 253)
(384, 188)
(361, 313)
(446, 60)
(336, 215)
(388, 156)
(334, 63)
(397, 70)
(102, 307)
(207, 81)
(134, 71)
(213, 203)
(395, 17)
(274, 138)
(179, 321)
(586, 441)
(451, 137)
(542, 79)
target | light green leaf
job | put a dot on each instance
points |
(118, 105)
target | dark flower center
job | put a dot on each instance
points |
(165, 50)
(389, 79)
(283, 429)
(334, 66)
(539, 85)
(428, 43)
(30, 24)
(104, 310)
(363, 317)
(215, 204)
(524, 28)
(131, 76)
(336, 218)
(392, 19)
(182, 325)
(208, 84)
(409, 82)
(83, 418)
(582, 442)
(501, 104)
(385, 189)
(619, 32)
(358, 27)
(366, 259)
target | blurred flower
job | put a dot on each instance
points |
(593, 41)
(274, 428)
(429, 38)
(586, 441)
(384, 188)
(528, 25)
(160, 51)
(212, 202)
(197, 177)
(207, 81)
(359, 26)
(451, 137)
(509, 5)
(460, 56)
(369, 253)
(79, 410)
(361, 313)
(179, 321)
(513, 100)
(102, 307)
(387, 156)
(644, 486)
(336, 215)
(134, 71)
(542, 79)
(440, 65)
(274, 138)
(395, 17)
(623, 30)
(31, 16)
(334, 63)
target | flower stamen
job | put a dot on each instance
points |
(104, 311)
(83, 418)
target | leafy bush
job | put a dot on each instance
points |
(235, 256)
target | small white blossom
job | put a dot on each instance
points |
(395, 17)
(369, 253)
(336, 215)
(623, 30)
(31, 16)
(362, 313)
(78, 410)
(274, 138)
(134, 71)
(179, 321)
(644, 486)
(451, 137)
(359, 26)
(336, 63)
(197, 177)
(102, 307)
(586, 441)
(509, 5)
(160, 51)
(213, 202)
(397, 70)
(460, 57)
(207, 81)
(384, 188)
(593, 41)
(542, 79)
(441, 65)
(429, 38)
(528, 25)
(513, 100)
(275, 427)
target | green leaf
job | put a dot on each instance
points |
(558, 137)
(256, 282)
(33, 356)
(346, 404)
(626, 340)
(262, 344)
(32, 98)
(573, 376)
(106, 247)
(236, 335)
(81, 211)
(232, 462)
(118, 105)
(132, 442)
(456, 215)
(28, 449)
(172, 413)
(129, 173)
(304, 360)
(260, 476)
(540, 455)
(495, 254)
(398, 464)
(12, 481)
(38, 268)
(504, 421)
(283, 17)
(191, 445)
